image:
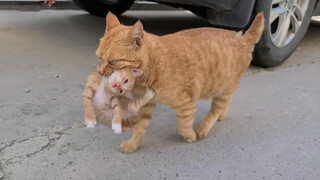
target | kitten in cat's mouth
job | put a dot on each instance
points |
(105, 98)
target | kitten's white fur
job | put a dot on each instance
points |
(90, 124)
(116, 128)
(100, 94)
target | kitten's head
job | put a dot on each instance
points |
(121, 46)
(121, 82)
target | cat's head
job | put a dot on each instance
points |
(121, 82)
(121, 46)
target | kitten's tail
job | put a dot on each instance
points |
(254, 32)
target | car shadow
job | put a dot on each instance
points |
(156, 22)
(162, 22)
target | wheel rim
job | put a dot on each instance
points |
(285, 19)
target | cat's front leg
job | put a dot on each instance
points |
(141, 124)
(139, 129)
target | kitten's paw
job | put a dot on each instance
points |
(150, 93)
(129, 146)
(90, 123)
(116, 128)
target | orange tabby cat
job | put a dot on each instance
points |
(205, 63)
(106, 98)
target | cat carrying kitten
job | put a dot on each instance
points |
(105, 98)
(200, 63)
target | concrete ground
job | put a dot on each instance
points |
(272, 130)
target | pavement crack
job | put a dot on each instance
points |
(17, 151)
(51, 137)
(3, 146)
(24, 148)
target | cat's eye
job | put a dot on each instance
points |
(125, 81)
(113, 62)
(120, 91)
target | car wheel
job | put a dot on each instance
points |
(286, 23)
(102, 7)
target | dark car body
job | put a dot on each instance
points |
(286, 21)
(226, 13)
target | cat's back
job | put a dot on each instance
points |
(206, 52)
(203, 34)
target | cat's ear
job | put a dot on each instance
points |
(136, 35)
(111, 21)
(137, 72)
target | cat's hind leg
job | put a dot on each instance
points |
(93, 82)
(219, 108)
(186, 114)
(90, 119)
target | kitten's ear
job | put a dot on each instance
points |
(137, 72)
(111, 21)
(137, 34)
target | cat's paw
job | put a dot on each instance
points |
(191, 137)
(116, 128)
(202, 132)
(129, 146)
(90, 123)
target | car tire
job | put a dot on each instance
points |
(102, 7)
(271, 51)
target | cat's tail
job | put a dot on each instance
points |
(252, 35)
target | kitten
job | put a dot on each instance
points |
(201, 63)
(105, 97)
